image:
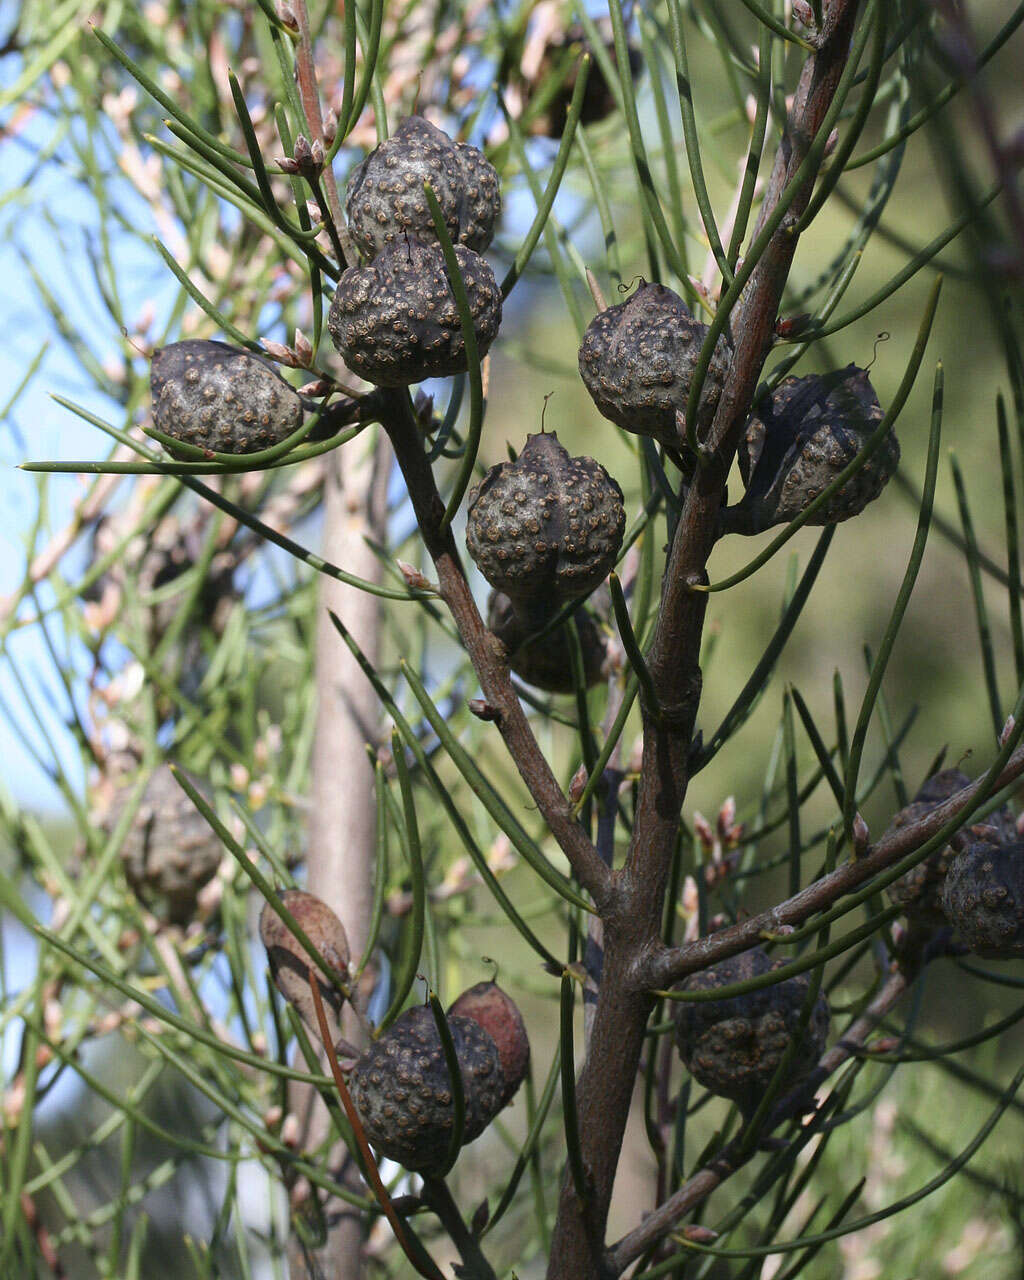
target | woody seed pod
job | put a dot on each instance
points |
(798, 442)
(562, 52)
(386, 201)
(546, 528)
(546, 663)
(488, 1006)
(983, 899)
(637, 361)
(733, 1047)
(222, 398)
(919, 891)
(396, 321)
(403, 1091)
(170, 851)
(290, 962)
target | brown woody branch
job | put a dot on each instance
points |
(664, 966)
(737, 1152)
(632, 929)
(487, 655)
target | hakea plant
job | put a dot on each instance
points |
(375, 758)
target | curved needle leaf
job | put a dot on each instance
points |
(899, 607)
(476, 383)
(451, 1059)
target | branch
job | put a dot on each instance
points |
(734, 1155)
(666, 966)
(486, 654)
(633, 931)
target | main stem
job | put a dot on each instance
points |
(632, 925)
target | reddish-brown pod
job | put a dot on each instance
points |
(490, 1008)
(290, 962)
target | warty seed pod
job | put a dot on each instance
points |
(496, 1012)
(403, 1091)
(547, 663)
(797, 443)
(222, 398)
(637, 361)
(396, 321)
(983, 899)
(546, 528)
(386, 201)
(564, 49)
(290, 963)
(170, 850)
(733, 1047)
(918, 893)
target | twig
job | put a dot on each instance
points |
(664, 967)
(487, 655)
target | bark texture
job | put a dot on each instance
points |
(340, 855)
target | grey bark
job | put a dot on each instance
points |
(340, 854)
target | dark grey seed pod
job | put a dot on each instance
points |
(547, 663)
(386, 201)
(403, 1092)
(490, 1008)
(219, 397)
(798, 442)
(170, 851)
(290, 963)
(733, 1047)
(396, 321)
(637, 361)
(919, 891)
(599, 100)
(547, 527)
(983, 899)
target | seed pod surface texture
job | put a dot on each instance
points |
(734, 1046)
(290, 963)
(802, 437)
(488, 1006)
(170, 851)
(403, 1092)
(918, 892)
(386, 201)
(547, 663)
(983, 899)
(396, 321)
(547, 526)
(637, 361)
(220, 397)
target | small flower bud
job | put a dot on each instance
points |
(303, 348)
(282, 354)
